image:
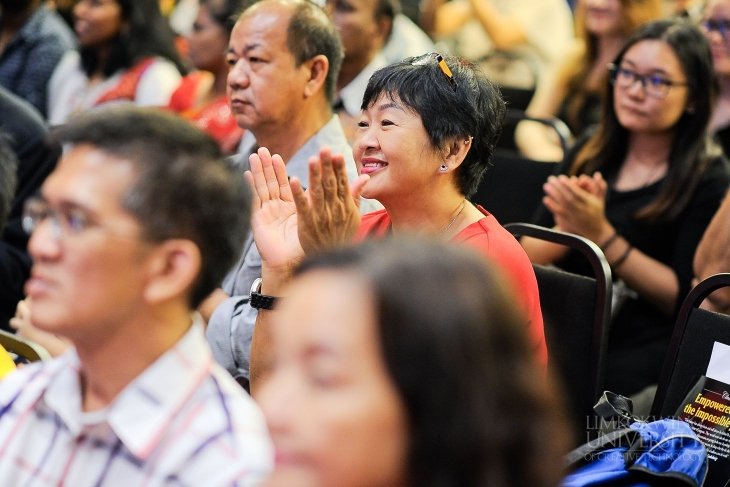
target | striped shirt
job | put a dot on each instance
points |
(182, 422)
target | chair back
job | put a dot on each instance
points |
(695, 333)
(26, 350)
(576, 312)
(512, 188)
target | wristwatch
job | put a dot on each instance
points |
(258, 300)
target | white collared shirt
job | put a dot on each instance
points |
(183, 421)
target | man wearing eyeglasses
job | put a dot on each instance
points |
(136, 225)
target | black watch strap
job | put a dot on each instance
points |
(258, 300)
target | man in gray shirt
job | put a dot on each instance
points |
(285, 56)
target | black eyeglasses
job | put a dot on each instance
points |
(426, 58)
(721, 26)
(654, 84)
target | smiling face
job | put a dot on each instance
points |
(392, 146)
(332, 409)
(97, 21)
(265, 87)
(639, 111)
(82, 281)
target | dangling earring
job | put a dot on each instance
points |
(443, 168)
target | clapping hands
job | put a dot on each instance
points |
(578, 204)
(288, 221)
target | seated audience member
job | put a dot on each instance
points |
(424, 140)
(713, 256)
(346, 402)
(644, 188)
(201, 96)
(572, 91)
(135, 226)
(716, 26)
(287, 105)
(364, 27)
(36, 158)
(127, 54)
(33, 38)
(537, 31)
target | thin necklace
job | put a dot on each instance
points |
(461, 208)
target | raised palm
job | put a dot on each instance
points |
(274, 216)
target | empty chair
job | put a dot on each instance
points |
(576, 313)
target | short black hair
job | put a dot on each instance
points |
(183, 188)
(479, 410)
(471, 107)
(311, 33)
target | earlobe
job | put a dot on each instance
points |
(173, 270)
(317, 67)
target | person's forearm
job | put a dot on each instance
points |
(654, 281)
(538, 142)
(542, 252)
(443, 19)
(260, 351)
(504, 31)
(273, 282)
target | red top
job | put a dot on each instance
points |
(126, 89)
(215, 117)
(489, 238)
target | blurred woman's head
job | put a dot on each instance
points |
(97, 22)
(662, 82)
(452, 107)
(208, 41)
(716, 26)
(405, 363)
(115, 34)
(614, 18)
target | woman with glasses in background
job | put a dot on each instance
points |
(573, 90)
(643, 188)
(424, 140)
(716, 25)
